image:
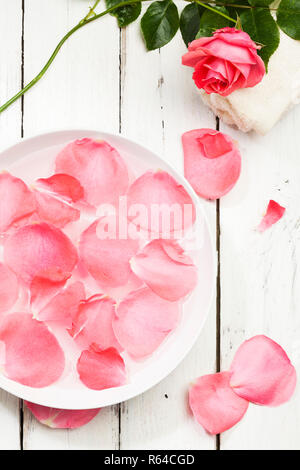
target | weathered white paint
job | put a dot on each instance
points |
(259, 272)
(10, 131)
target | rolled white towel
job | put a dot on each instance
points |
(260, 107)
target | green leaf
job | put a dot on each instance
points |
(125, 15)
(260, 3)
(211, 21)
(262, 28)
(288, 17)
(190, 22)
(160, 24)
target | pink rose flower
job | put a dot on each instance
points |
(225, 62)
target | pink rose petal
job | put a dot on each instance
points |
(38, 248)
(64, 185)
(93, 323)
(156, 190)
(101, 369)
(63, 307)
(163, 266)
(61, 419)
(214, 404)
(9, 288)
(107, 260)
(46, 283)
(143, 320)
(98, 167)
(212, 162)
(262, 372)
(16, 201)
(33, 355)
(53, 211)
(274, 213)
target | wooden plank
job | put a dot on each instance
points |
(10, 130)
(80, 90)
(159, 103)
(260, 290)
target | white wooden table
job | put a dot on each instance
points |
(104, 79)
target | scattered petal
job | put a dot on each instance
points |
(98, 167)
(53, 211)
(212, 162)
(274, 213)
(143, 320)
(61, 419)
(9, 288)
(38, 248)
(93, 323)
(167, 205)
(262, 372)
(214, 404)
(101, 369)
(33, 355)
(16, 201)
(64, 185)
(162, 265)
(107, 260)
(46, 283)
(63, 307)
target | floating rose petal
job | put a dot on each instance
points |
(64, 185)
(262, 372)
(38, 248)
(9, 288)
(107, 260)
(163, 204)
(61, 419)
(101, 369)
(98, 167)
(143, 320)
(63, 307)
(53, 211)
(212, 162)
(214, 404)
(46, 283)
(33, 355)
(93, 323)
(163, 266)
(16, 201)
(274, 213)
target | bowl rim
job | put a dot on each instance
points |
(130, 390)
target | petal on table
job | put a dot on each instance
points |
(212, 162)
(214, 404)
(33, 355)
(262, 372)
(61, 419)
(273, 214)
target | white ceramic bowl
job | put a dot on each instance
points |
(30, 159)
